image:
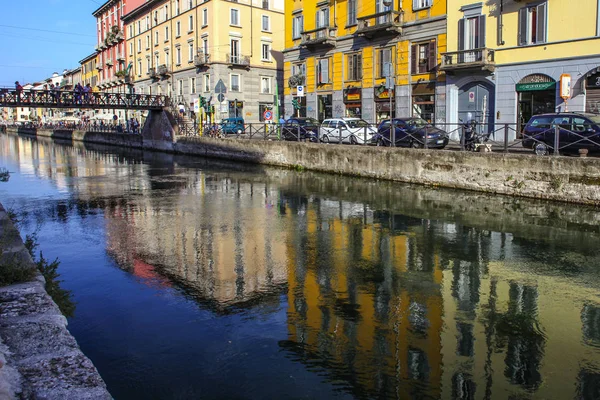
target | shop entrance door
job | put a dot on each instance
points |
(535, 102)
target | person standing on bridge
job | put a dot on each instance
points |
(19, 90)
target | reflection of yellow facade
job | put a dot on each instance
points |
(532, 368)
(339, 50)
(345, 297)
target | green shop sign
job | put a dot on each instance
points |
(530, 87)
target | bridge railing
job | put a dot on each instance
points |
(76, 99)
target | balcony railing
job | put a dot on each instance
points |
(99, 66)
(163, 70)
(201, 59)
(323, 36)
(152, 72)
(482, 58)
(236, 59)
(120, 57)
(385, 22)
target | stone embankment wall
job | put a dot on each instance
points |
(570, 179)
(39, 358)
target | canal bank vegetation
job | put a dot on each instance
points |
(49, 270)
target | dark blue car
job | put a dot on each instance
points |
(410, 132)
(575, 131)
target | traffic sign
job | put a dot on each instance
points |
(268, 115)
(220, 87)
(300, 91)
(220, 97)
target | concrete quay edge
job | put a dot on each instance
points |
(39, 358)
(566, 179)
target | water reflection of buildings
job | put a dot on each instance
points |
(400, 307)
(225, 252)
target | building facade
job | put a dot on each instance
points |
(505, 59)
(227, 52)
(364, 59)
(89, 73)
(111, 44)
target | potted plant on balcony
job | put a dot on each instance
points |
(296, 80)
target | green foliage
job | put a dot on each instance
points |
(62, 297)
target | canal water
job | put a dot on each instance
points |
(199, 278)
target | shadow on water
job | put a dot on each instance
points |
(389, 290)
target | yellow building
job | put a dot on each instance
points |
(185, 49)
(89, 73)
(505, 58)
(342, 56)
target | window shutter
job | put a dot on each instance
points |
(351, 74)
(523, 14)
(541, 23)
(414, 57)
(415, 4)
(461, 34)
(432, 56)
(325, 70)
(359, 66)
(481, 38)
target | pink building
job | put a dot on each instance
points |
(111, 48)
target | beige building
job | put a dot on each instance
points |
(185, 48)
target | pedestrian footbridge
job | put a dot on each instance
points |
(71, 99)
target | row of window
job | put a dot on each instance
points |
(423, 60)
(234, 47)
(322, 17)
(235, 85)
(234, 19)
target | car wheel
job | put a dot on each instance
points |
(540, 149)
(353, 140)
(325, 139)
(415, 144)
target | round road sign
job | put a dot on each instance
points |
(268, 115)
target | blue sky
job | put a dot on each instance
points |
(39, 37)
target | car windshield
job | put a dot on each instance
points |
(357, 123)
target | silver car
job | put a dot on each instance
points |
(352, 130)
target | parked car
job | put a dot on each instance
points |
(305, 128)
(352, 130)
(410, 132)
(576, 131)
(233, 125)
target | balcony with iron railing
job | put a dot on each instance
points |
(322, 36)
(120, 57)
(481, 59)
(153, 73)
(99, 66)
(109, 62)
(385, 22)
(238, 60)
(163, 70)
(201, 59)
